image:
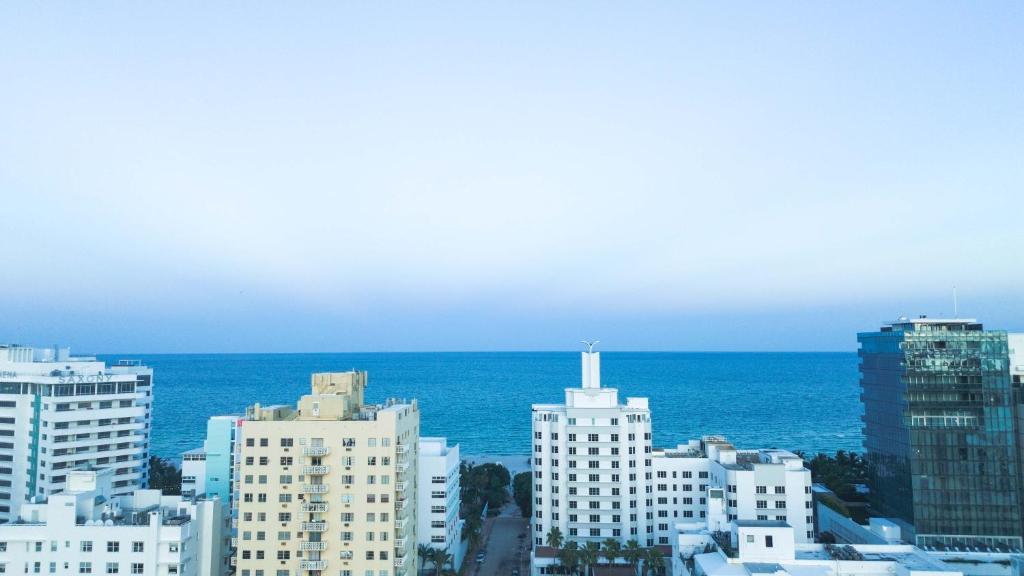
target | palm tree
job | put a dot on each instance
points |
(654, 562)
(569, 556)
(472, 530)
(440, 559)
(612, 549)
(632, 553)
(589, 555)
(423, 552)
(555, 538)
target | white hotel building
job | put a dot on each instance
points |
(437, 520)
(59, 412)
(596, 476)
(88, 530)
(592, 464)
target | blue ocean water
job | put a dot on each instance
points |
(798, 401)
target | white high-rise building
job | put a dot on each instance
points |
(592, 464)
(437, 520)
(59, 412)
(86, 529)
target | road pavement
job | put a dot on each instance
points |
(505, 551)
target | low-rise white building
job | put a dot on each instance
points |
(437, 519)
(769, 548)
(88, 530)
(710, 482)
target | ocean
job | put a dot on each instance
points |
(797, 401)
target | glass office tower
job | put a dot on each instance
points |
(940, 431)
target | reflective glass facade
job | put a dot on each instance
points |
(941, 431)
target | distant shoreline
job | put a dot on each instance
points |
(515, 463)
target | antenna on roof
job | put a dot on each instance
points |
(956, 311)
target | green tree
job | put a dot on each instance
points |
(440, 558)
(484, 484)
(589, 555)
(554, 538)
(522, 492)
(633, 554)
(423, 552)
(612, 549)
(164, 476)
(654, 562)
(569, 557)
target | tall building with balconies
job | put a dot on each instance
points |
(59, 412)
(942, 431)
(592, 465)
(328, 487)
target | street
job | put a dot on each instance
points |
(504, 550)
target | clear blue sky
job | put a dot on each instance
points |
(441, 176)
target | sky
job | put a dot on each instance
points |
(281, 177)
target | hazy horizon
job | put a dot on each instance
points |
(206, 178)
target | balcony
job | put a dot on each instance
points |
(313, 565)
(313, 546)
(315, 470)
(314, 488)
(234, 560)
(400, 543)
(401, 486)
(401, 504)
(402, 449)
(315, 451)
(399, 561)
(402, 467)
(401, 522)
(314, 506)
(314, 526)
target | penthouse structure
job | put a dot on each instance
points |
(87, 529)
(59, 412)
(942, 433)
(328, 487)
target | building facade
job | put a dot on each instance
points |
(87, 529)
(59, 412)
(591, 464)
(329, 487)
(942, 431)
(768, 548)
(709, 482)
(438, 523)
(209, 472)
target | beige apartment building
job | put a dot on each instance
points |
(329, 487)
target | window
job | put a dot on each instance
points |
(112, 567)
(85, 567)
(86, 546)
(137, 568)
(138, 547)
(768, 541)
(113, 546)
